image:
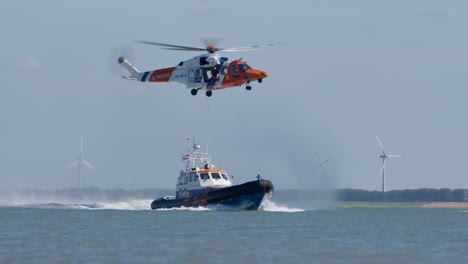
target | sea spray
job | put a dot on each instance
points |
(269, 206)
(89, 198)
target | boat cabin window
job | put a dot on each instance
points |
(215, 175)
(191, 178)
(204, 176)
(185, 180)
(224, 177)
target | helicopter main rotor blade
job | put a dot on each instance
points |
(212, 48)
(241, 49)
(248, 48)
(170, 46)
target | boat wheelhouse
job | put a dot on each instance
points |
(199, 174)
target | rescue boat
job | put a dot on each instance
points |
(202, 184)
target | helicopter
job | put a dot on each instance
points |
(208, 72)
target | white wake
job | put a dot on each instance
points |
(270, 206)
(201, 208)
(142, 204)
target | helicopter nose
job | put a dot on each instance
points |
(264, 74)
(256, 74)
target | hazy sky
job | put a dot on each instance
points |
(346, 72)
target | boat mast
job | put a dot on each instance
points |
(196, 157)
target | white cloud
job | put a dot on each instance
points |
(28, 62)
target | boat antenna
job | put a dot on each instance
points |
(214, 157)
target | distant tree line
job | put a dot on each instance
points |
(287, 196)
(418, 195)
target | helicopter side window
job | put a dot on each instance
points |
(223, 70)
(244, 67)
(203, 61)
(234, 71)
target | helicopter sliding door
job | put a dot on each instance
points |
(195, 76)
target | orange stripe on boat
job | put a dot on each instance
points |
(206, 171)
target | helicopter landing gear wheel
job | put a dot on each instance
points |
(194, 92)
(209, 93)
(260, 80)
(248, 87)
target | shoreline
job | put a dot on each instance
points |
(459, 205)
(430, 205)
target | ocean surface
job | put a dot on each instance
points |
(127, 231)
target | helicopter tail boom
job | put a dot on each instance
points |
(135, 74)
(160, 75)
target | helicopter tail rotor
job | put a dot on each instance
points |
(116, 52)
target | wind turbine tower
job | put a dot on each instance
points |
(322, 165)
(80, 162)
(384, 156)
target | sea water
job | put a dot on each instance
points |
(129, 232)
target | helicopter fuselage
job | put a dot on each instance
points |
(205, 72)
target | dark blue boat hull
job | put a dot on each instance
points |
(247, 196)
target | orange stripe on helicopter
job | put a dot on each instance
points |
(161, 75)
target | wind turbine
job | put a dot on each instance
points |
(384, 157)
(322, 164)
(80, 162)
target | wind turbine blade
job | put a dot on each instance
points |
(87, 164)
(73, 164)
(326, 161)
(383, 168)
(381, 146)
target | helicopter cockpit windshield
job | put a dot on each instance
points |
(244, 67)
